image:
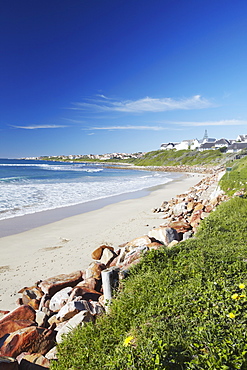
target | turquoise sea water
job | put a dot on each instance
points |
(29, 186)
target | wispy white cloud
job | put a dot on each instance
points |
(229, 122)
(36, 127)
(152, 128)
(143, 105)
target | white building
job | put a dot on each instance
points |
(242, 138)
(187, 144)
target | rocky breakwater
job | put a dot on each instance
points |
(47, 311)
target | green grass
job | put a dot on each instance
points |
(167, 158)
(176, 305)
(236, 179)
(179, 157)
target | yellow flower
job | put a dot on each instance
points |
(235, 296)
(127, 341)
(242, 296)
(231, 315)
(241, 286)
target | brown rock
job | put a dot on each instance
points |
(179, 209)
(181, 226)
(135, 254)
(54, 284)
(97, 253)
(31, 293)
(199, 207)
(8, 363)
(138, 242)
(190, 206)
(107, 256)
(29, 339)
(41, 319)
(85, 293)
(60, 299)
(91, 283)
(94, 270)
(155, 245)
(10, 326)
(71, 309)
(34, 361)
(45, 302)
(24, 312)
(79, 319)
(19, 341)
(164, 235)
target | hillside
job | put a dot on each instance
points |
(182, 157)
(180, 308)
(163, 158)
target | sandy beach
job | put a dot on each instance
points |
(65, 246)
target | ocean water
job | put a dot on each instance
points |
(29, 186)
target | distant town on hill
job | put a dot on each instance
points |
(207, 143)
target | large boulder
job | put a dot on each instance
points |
(31, 296)
(79, 319)
(24, 312)
(94, 270)
(97, 253)
(10, 326)
(107, 257)
(164, 235)
(86, 294)
(71, 309)
(179, 209)
(31, 339)
(60, 299)
(54, 284)
(195, 218)
(135, 254)
(138, 242)
(181, 226)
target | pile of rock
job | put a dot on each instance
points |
(186, 168)
(51, 308)
(185, 212)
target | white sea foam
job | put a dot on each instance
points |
(55, 167)
(25, 198)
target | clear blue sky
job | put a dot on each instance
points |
(98, 76)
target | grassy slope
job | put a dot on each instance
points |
(176, 305)
(170, 158)
(179, 157)
(236, 179)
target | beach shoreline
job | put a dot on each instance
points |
(22, 223)
(65, 246)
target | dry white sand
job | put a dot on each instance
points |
(66, 245)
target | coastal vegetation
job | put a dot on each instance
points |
(235, 177)
(163, 158)
(180, 308)
(179, 157)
